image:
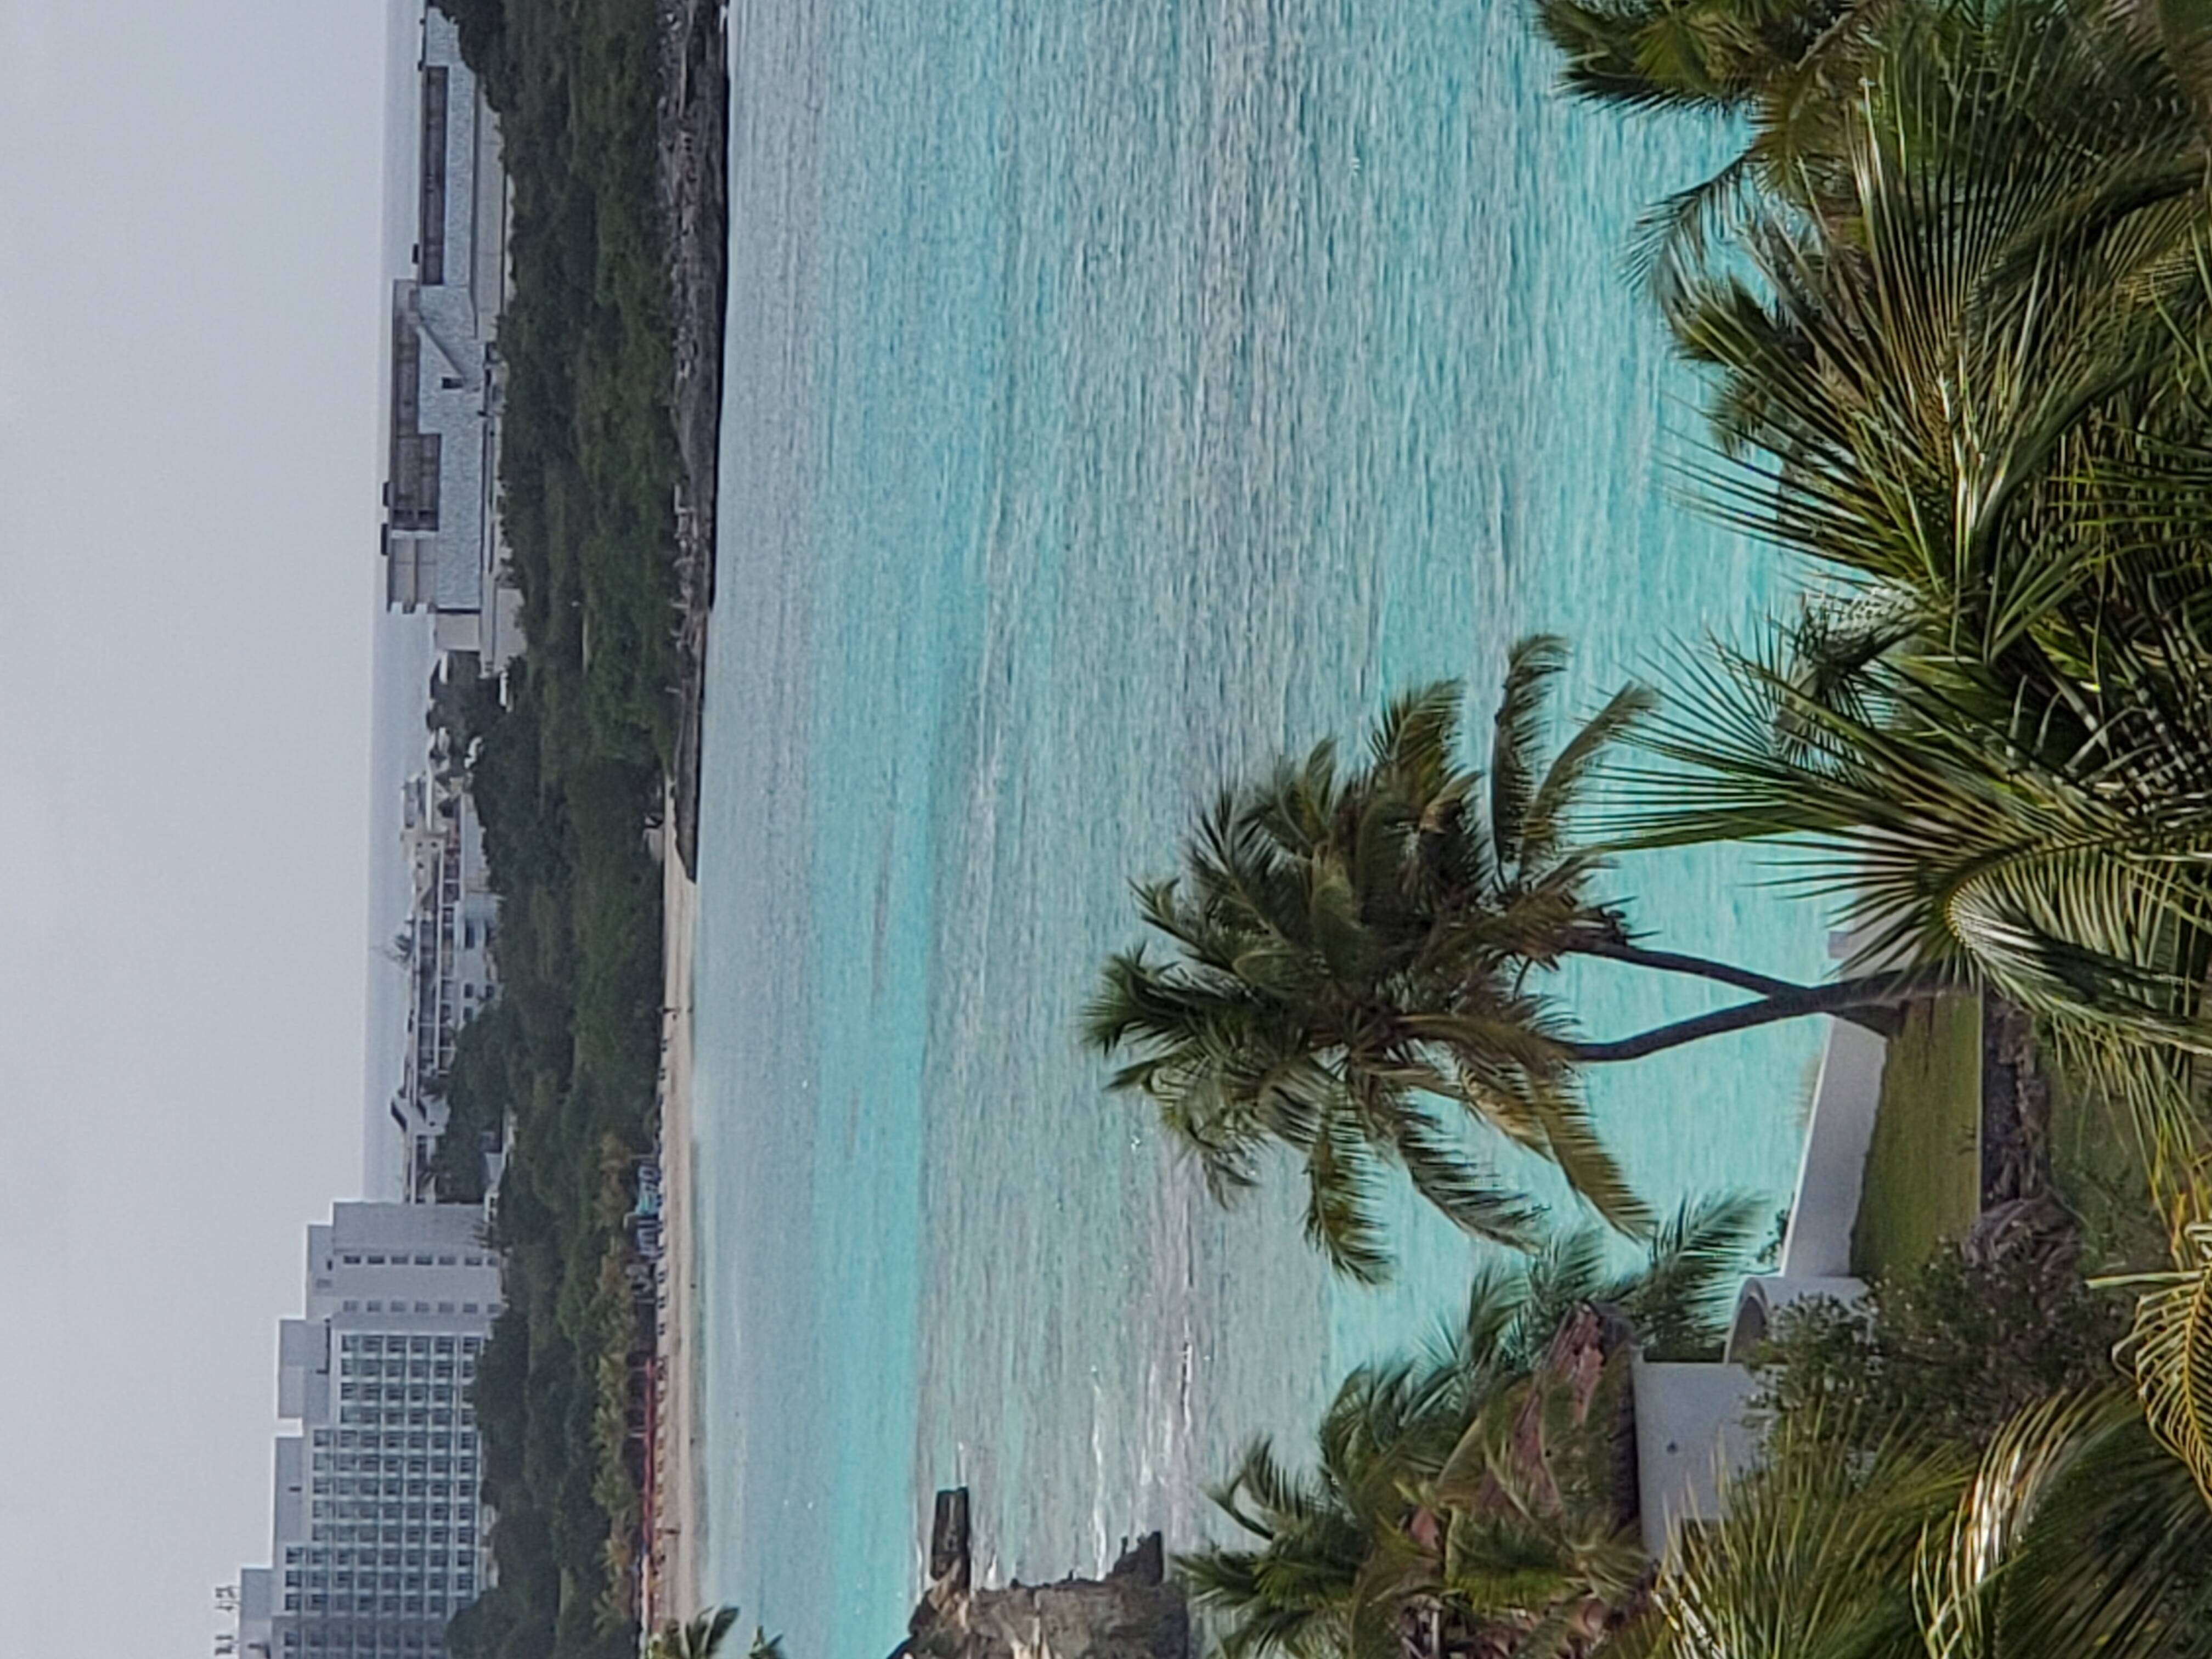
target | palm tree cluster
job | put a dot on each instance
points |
(1954, 302)
(1469, 1501)
(1958, 353)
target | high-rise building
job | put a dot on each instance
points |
(378, 1533)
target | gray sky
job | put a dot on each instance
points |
(190, 194)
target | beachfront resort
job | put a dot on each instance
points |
(1414, 909)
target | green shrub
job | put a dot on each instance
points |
(1945, 1354)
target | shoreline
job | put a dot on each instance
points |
(691, 170)
(673, 1587)
(692, 174)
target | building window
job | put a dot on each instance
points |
(416, 454)
(430, 229)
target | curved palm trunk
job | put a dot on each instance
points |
(1880, 1021)
(1875, 994)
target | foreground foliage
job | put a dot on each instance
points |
(1953, 304)
(1473, 1495)
(1946, 1354)
(702, 1639)
(2071, 1533)
(1957, 355)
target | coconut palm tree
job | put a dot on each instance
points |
(1470, 1487)
(1783, 67)
(1972, 385)
(1356, 951)
(1798, 73)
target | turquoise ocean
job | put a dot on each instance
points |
(1116, 396)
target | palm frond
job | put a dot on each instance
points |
(2170, 1349)
(1342, 1218)
(1681, 1301)
(1544, 831)
(1518, 738)
(1956, 1578)
(1813, 1561)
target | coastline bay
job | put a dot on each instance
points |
(1111, 403)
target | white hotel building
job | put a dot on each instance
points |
(379, 1535)
(441, 545)
(444, 572)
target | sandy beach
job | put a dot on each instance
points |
(672, 1589)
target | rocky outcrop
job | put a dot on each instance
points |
(1133, 1613)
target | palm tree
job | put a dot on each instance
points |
(1352, 954)
(1972, 385)
(1783, 66)
(1799, 72)
(1470, 1488)
(704, 1635)
(2071, 1534)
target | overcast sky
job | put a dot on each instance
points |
(190, 197)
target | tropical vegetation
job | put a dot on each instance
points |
(1953, 300)
(1472, 1496)
(1945, 1354)
(1956, 358)
(566, 772)
(2070, 1534)
(704, 1635)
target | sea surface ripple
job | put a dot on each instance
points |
(1118, 395)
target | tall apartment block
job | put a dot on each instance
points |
(379, 1536)
(442, 549)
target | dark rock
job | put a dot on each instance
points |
(1134, 1612)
